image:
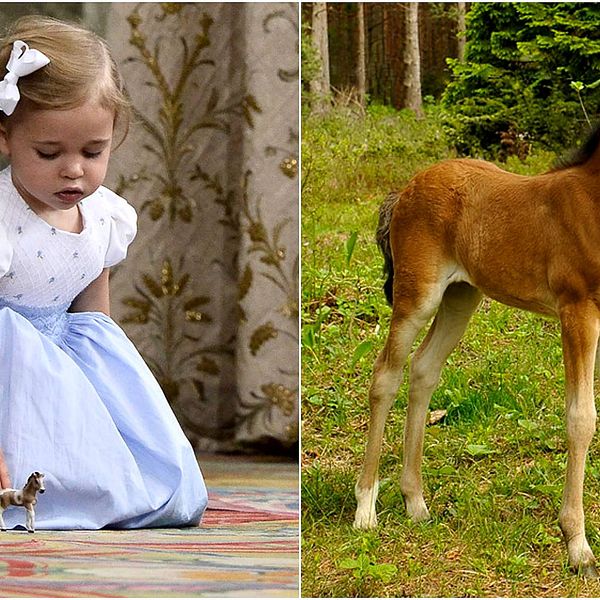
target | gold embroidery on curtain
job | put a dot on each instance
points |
(210, 290)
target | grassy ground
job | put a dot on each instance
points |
(493, 467)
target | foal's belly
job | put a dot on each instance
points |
(521, 283)
(526, 297)
(531, 304)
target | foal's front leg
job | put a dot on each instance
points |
(580, 329)
(29, 521)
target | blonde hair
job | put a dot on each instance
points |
(81, 69)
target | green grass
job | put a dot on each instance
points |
(493, 468)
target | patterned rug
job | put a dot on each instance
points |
(247, 545)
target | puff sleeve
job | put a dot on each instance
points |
(123, 227)
(6, 252)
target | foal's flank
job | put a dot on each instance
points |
(464, 228)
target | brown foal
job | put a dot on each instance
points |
(464, 228)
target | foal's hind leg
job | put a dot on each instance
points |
(456, 308)
(387, 376)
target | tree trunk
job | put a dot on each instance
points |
(461, 30)
(361, 58)
(320, 85)
(412, 61)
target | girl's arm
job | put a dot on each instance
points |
(95, 297)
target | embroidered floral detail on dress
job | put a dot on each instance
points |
(64, 265)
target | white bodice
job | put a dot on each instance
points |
(43, 266)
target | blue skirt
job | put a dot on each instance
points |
(78, 403)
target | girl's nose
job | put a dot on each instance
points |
(72, 170)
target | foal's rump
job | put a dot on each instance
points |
(468, 220)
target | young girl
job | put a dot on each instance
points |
(77, 401)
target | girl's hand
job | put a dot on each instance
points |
(4, 476)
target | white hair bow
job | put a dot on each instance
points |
(22, 61)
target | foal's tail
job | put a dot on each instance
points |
(383, 240)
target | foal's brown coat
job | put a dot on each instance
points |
(466, 227)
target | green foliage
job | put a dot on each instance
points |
(347, 153)
(366, 566)
(521, 58)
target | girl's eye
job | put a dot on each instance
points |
(47, 155)
(88, 154)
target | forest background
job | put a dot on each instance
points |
(389, 88)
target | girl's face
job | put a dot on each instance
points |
(58, 157)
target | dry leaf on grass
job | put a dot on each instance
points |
(435, 416)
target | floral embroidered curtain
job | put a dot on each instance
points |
(209, 292)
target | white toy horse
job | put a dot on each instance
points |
(25, 498)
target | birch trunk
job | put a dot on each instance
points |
(412, 61)
(361, 58)
(461, 30)
(320, 85)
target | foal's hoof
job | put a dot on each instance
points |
(31, 531)
(365, 520)
(417, 510)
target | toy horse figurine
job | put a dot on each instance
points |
(25, 498)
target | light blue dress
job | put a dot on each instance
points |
(77, 401)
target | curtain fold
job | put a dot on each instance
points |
(209, 292)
